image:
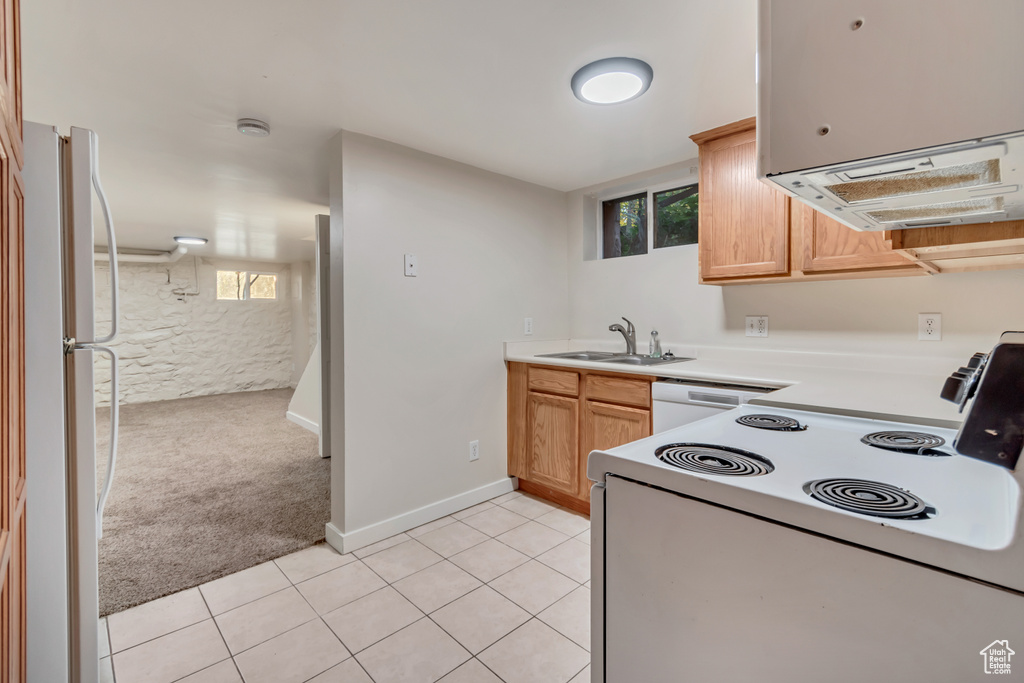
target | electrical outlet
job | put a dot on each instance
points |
(527, 325)
(757, 326)
(929, 326)
(410, 265)
(474, 450)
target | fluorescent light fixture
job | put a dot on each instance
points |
(182, 239)
(612, 80)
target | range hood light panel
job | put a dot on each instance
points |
(855, 121)
(937, 212)
(978, 174)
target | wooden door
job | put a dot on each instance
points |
(743, 223)
(826, 245)
(12, 359)
(608, 426)
(553, 441)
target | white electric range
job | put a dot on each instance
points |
(770, 545)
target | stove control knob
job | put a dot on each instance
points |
(977, 361)
(955, 388)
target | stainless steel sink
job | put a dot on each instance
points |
(606, 357)
(645, 360)
(580, 355)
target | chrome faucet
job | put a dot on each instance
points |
(629, 333)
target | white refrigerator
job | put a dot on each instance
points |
(64, 503)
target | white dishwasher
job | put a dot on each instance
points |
(679, 402)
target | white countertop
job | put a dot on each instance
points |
(877, 387)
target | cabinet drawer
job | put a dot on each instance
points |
(630, 392)
(554, 381)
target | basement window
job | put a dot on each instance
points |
(242, 285)
(625, 226)
(675, 217)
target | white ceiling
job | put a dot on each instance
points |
(485, 83)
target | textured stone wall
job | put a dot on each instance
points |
(174, 343)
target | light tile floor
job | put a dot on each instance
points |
(497, 592)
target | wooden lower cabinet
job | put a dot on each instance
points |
(12, 353)
(554, 441)
(607, 426)
(554, 422)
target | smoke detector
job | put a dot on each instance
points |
(254, 128)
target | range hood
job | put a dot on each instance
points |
(890, 115)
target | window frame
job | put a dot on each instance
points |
(247, 281)
(605, 219)
(654, 192)
(685, 179)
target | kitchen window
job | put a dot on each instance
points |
(629, 229)
(242, 285)
(675, 217)
(625, 226)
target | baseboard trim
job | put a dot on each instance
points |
(360, 538)
(303, 422)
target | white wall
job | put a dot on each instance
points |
(176, 345)
(303, 310)
(874, 316)
(423, 372)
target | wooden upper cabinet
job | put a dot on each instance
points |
(553, 441)
(750, 232)
(960, 248)
(744, 224)
(822, 244)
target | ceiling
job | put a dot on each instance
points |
(484, 83)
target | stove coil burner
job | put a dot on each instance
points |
(776, 423)
(917, 443)
(869, 498)
(709, 459)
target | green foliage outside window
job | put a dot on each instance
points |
(625, 226)
(675, 218)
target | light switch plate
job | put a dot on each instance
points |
(410, 265)
(527, 326)
(757, 326)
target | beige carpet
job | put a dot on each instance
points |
(205, 487)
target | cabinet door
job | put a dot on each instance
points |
(553, 441)
(743, 223)
(827, 245)
(12, 354)
(608, 426)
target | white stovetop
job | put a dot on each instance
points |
(893, 388)
(975, 530)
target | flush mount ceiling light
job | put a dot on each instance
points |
(612, 80)
(254, 128)
(182, 239)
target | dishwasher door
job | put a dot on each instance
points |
(676, 403)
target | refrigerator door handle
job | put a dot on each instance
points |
(94, 173)
(112, 460)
